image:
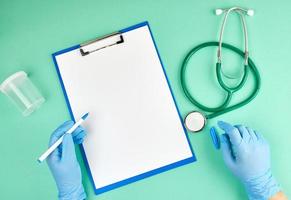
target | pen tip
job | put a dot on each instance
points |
(85, 116)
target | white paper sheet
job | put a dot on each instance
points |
(134, 126)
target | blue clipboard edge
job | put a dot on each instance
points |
(143, 175)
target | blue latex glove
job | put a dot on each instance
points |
(64, 165)
(247, 154)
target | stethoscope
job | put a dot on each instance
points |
(195, 121)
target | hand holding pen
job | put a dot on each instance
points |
(63, 162)
(59, 141)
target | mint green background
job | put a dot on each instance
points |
(31, 30)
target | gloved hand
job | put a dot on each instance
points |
(246, 153)
(64, 165)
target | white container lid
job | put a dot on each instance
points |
(12, 78)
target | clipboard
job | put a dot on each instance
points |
(135, 129)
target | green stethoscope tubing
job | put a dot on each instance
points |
(222, 109)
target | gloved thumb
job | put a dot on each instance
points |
(226, 151)
(232, 132)
(68, 148)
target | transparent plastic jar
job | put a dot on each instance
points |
(22, 92)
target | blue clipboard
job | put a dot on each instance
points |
(140, 176)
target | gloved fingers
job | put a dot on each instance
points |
(55, 155)
(227, 153)
(232, 132)
(252, 134)
(79, 135)
(60, 131)
(58, 151)
(68, 148)
(244, 132)
(80, 138)
(260, 137)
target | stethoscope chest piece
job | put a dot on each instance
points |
(195, 121)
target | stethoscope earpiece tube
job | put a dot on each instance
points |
(240, 12)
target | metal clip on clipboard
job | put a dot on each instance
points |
(101, 43)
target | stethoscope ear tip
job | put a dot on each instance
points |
(218, 11)
(250, 12)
